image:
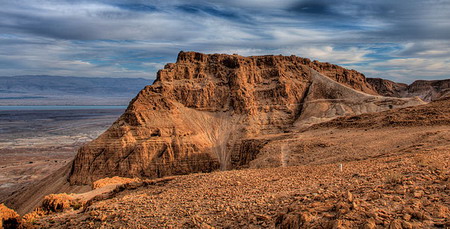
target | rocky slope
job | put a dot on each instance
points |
(427, 90)
(211, 112)
(387, 87)
(208, 112)
(395, 174)
(430, 90)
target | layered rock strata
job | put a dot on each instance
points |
(208, 112)
(427, 90)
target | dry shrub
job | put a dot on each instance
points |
(8, 217)
(58, 202)
(113, 180)
(394, 178)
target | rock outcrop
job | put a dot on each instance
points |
(8, 217)
(387, 87)
(208, 112)
(427, 90)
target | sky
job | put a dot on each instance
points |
(400, 40)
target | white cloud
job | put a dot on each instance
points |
(407, 69)
(101, 38)
(330, 54)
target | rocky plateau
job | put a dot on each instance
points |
(209, 112)
(309, 145)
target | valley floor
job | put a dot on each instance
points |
(35, 143)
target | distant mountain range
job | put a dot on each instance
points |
(63, 90)
(427, 90)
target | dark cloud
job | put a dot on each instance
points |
(132, 37)
(212, 11)
(317, 8)
(336, 12)
(138, 7)
(386, 20)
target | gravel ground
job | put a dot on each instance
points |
(406, 190)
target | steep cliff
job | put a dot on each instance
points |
(430, 90)
(208, 112)
(427, 90)
(387, 87)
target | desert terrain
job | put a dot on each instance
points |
(227, 141)
(290, 114)
(394, 174)
(35, 143)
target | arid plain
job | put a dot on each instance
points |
(34, 143)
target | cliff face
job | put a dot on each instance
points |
(427, 90)
(430, 90)
(208, 112)
(387, 87)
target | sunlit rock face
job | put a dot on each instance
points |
(427, 90)
(210, 112)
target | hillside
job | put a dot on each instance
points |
(60, 90)
(385, 182)
(208, 112)
(214, 112)
(427, 90)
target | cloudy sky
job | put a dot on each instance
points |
(401, 40)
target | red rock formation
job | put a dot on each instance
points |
(430, 90)
(206, 112)
(351, 78)
(427, 90)
(387, 87)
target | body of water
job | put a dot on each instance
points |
(22, 122)
(47, 108)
